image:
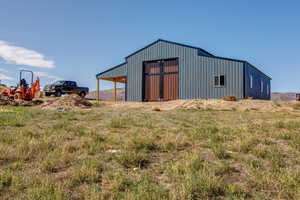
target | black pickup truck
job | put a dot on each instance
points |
(65, 87)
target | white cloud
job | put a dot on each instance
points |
(3, 70)
(22, 56)
(6, 78)
(47, 75)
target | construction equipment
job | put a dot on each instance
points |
(23, 91)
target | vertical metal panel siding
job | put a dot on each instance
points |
(195, 72)
(258, 76)
(119, 71)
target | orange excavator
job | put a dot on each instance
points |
(23, 91)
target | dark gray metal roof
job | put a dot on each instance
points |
(161, 40)
(112, 68)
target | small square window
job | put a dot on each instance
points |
(219, 80)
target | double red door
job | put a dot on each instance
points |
(161, 80)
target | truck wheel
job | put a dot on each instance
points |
(82, 94)
(58, 93)
(47, 94)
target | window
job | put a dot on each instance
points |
(219, 80)
(261, 86)
(251, 81)
(268, 89)
(72, 84)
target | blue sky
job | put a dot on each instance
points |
(67, 39)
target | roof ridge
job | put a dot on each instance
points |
(171, 42)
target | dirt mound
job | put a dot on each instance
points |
(230, 98)
(69, 102)
(4, 102)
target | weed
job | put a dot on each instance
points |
(195, 181)
(119, 123)
(277, 104)
(175, 154)
(221, 152)
(45, 192)
(143, 143)
(5, 180)
(55, 161)
(129, 159)
(98, 105)
(148, 188)
(296, 106)
(89, 172)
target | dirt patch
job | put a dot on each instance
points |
(69, 102)
(213, 104)
(8, 102)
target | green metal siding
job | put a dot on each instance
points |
(255, 92)
(195, 72)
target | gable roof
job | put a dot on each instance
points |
(170, 42)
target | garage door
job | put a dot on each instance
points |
(161, 80)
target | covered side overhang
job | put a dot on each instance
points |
(115, 74)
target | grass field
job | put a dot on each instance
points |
(127, 153)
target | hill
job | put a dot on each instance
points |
(288, 96)
(108, 94)
(206, 149)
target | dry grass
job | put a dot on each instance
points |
(118, 152)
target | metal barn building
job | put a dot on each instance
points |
(166, 70)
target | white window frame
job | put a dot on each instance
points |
(251, 81)
(219, 80)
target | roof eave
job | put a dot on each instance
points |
(112, 68)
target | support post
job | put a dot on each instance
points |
(115, 87)
(98, 90)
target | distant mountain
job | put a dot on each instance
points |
(108, 94)
(288, 96)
